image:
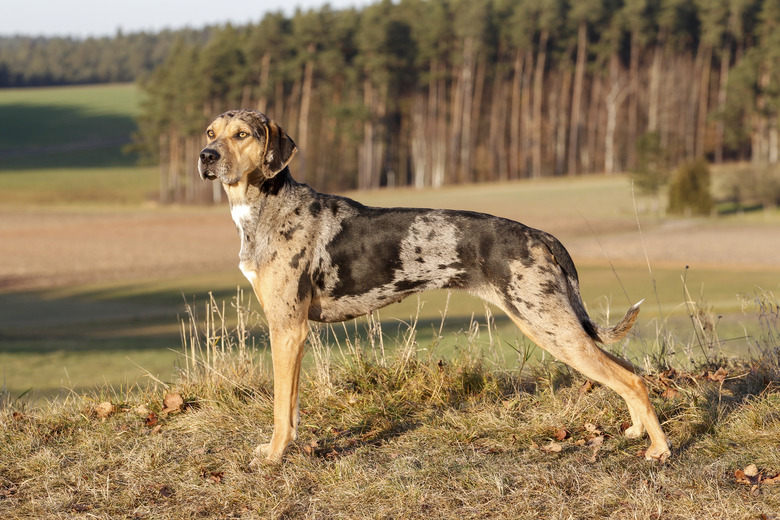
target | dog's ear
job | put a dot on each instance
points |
(279, 150)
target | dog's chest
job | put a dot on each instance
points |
(246, 223)
(241, 214)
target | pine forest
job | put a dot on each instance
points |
(433, 92)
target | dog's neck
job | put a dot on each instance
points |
(254, 189)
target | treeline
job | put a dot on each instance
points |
(425, 93)
(39, 61)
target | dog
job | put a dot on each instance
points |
(326, 258)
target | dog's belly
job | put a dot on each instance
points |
(329, 309)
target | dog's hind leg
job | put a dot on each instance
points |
(552, 323)
(569, 342)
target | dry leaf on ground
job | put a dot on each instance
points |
(151, 420)
(104, 410)
(172, 403)
(718, 375)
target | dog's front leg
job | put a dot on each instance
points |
(287, 342)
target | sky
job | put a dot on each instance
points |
(95, 18)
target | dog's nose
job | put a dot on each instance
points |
(209, 155)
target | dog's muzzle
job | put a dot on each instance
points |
(208, 157)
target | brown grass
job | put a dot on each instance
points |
(395, 431)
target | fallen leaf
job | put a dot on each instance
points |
(172, 403)
(560, 434)
(586, 387)
(625, 425)
(215, 477)
(6, 493)
(750, 475)
(310, 448)
(595, 442)
(771, 480)
(151, 420)
(155, 430)
(553, 447)
(595, 445)
(669, 393)
(719, 375)
(592, 428)
(105, 409)
(142, 410)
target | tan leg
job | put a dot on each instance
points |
(287, 344)
(571, 344)
(637, 429)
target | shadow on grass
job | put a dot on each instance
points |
(46, 136)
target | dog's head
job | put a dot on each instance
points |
(241, 142)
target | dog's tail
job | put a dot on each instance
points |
(604, 335)
(609, 335)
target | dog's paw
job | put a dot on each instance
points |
(635, 431)
(262, 450)
(261, 457)
(658, 453)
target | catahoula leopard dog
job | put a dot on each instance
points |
(312, 256)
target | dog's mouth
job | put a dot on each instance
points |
(205, 173)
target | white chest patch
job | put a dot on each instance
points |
(240, 212)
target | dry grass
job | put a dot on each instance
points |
(393, 431)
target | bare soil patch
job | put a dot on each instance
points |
(44, 249)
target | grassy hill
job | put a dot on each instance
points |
(399, 434)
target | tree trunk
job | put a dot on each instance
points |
(467, 92)
(559, 127)
(704, 94)
(723, 81)
(515, 145)
(439, 173)
(693, 102)
(633, 109)
(303, 120)
(576, 101)
(265, 71)
(655, 79)
(536, 170)
(164, 169)
(617, 94)
(419, 142)
(367, 149)
(476, 169)
(526, 131)
(592, 137)
(497, 122)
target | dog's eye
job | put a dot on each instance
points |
(210, 133)
(242, 135)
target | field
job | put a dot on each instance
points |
(457, 416)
